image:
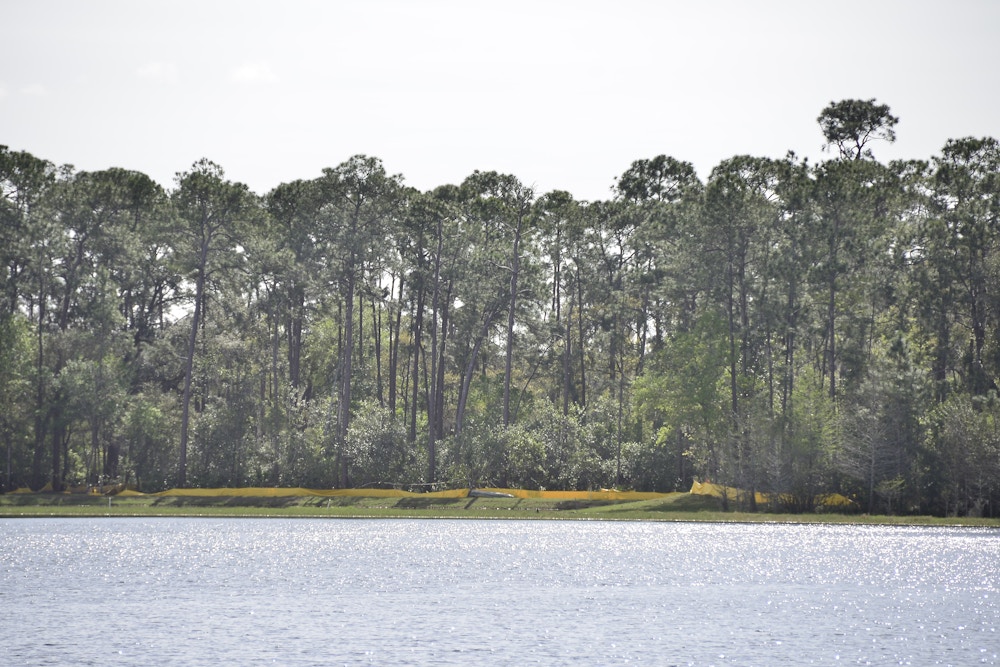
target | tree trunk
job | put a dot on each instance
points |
(377, 331)
(432, 394)
(347, 355)
(470, 368)
(509, 363)
(418, 325)
(444, 339)
(394, 331)
(583, 354)
(58, 435)
(41, 413)
(830, 364)
(189, 363)
(567, 360)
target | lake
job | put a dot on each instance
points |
(214, 591)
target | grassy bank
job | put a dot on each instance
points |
(675, 507)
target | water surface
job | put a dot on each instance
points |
(458, 592)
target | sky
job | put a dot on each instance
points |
(564, 95)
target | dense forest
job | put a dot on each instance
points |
(783, 327)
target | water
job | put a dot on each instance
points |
(439, 592)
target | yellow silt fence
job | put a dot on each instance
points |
(603, 494)
(287, 492)
(276, 492)
(833, 501)
(829, 500)
(719, 491)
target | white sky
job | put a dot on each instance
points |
(562, 94)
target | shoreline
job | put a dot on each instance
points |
(681, 507)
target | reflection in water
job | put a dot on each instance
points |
(416, 592)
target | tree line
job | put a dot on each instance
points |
(783, 327)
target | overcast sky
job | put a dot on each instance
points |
(562, 94)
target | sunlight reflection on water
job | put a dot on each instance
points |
(417, 592)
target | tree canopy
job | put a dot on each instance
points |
(782, 327)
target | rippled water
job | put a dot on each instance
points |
(439, 592)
